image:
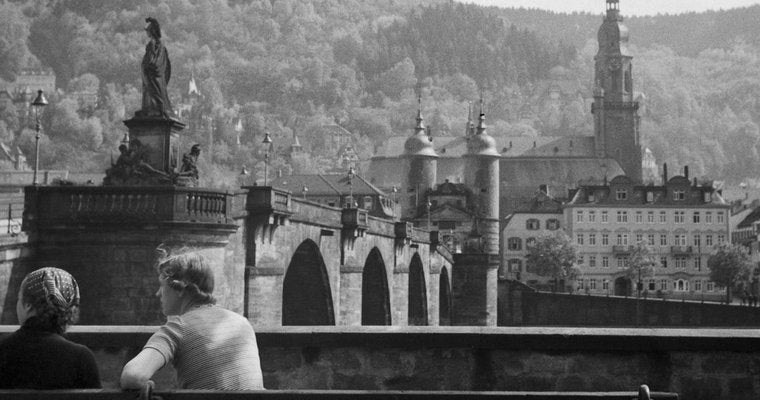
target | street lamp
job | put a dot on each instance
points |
(429, 204)
(351, 174)
(38, 105)
(304, 189)
(268, 143)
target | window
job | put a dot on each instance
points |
(552, 224)
(681, 285)
(710, 286)
(581, 260)
(698, 263)
(592, 284)
(592, 216)
(680, 263)
(697, 240)
(579, 239)
(592, 239)
(651, 284)
(650, 239)
(663, 217)
(663, 284)
(678, 217)
(650, 197)
(622, 239)
(605, 239)
(604, 216)
(708, 217)
(663, 239)
(721, 239)
(605, 262)
(515, 265)
(592, 261)
(650, 216)
(514, 243)
(639, 238)
(605, 284)
(698, 285)
(695, 217)
(580, 284)
(621, 194)
(622, 262)
(622, 216)
(679, 195)
(680, 240)
(579, 216)
(719, 217)
(708, 240)
(663, 262)
(532, 224)
(639, 217)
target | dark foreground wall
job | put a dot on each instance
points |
(696, 363)
(526, 308)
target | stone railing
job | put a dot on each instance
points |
(52, 206)
(695, 363)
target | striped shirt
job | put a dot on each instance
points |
(211, 348)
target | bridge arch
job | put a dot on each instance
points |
(306, 295)
(444, 298)
(376, 306)
(417, 294)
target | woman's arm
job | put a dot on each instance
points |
(141, 368)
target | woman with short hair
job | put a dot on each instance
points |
(209, 346)
(37, 356)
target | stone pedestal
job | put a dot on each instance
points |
(474, 289)
(160, 139)
(107, 236)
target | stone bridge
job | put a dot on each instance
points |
(278, 259)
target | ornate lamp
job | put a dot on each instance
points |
(351, 174)
(38, 105)
(268, 143)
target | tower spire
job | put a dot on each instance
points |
(420, 128)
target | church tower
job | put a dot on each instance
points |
(616, 120)
(421, 167)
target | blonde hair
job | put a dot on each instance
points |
(189, 271)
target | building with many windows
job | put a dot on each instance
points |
(541, 215)
(679, 220)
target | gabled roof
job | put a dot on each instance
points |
(541, 203)
(753, 216)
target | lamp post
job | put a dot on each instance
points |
(304, 189)
(351, 173)
(429, 204)
(38, 105)
(268, 143)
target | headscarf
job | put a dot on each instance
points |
(56, 286)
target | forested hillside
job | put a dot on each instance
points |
(287, 65)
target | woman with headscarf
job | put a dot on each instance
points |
(37, 356)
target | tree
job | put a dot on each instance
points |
(729, 266)
(553, 255)
(641, 265)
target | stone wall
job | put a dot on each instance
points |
(13, 252)
(526, 308)
(695, 363)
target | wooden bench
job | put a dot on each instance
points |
(149, 394)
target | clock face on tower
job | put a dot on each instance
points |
(615, 64)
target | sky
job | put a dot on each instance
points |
(627, 7)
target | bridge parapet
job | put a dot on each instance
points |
(50, 207)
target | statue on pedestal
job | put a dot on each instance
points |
(156, 72)
(188, 172)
